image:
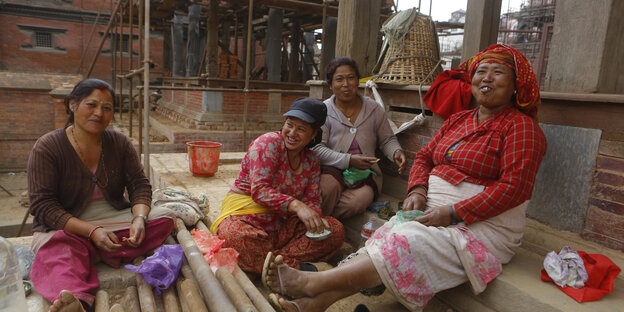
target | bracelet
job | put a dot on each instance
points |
(451, 215)
(419, 193)
(93, 231)
(139, 216)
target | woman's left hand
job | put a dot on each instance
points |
(399, 159)
(437, 216)
(137, 233)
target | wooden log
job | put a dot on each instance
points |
(146, 295)
(117, 308)
(235, 292)
(101, 301)
(252, 292)
(170, 300)
(181, 296)
(130, 301)
(200, 225)
(215, 297)
(193, 297)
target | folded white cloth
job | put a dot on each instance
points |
(566, 268)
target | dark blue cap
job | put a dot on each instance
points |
(309, 110)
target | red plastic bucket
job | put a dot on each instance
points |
(203, 157)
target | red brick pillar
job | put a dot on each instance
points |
(58, 98)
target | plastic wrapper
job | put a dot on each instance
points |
(403, 216)
(566, 268)
(208, 243)
(161, 269)
(26, 257)
(227, 257)
(354, 175)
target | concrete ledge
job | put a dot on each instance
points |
(519, 288)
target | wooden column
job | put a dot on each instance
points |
(294, 73)
(358, 32)
(212, 33)
(329, 44)
(178, 45)
(193, 48)
(481, 29)
(273, 53)
(308, 56)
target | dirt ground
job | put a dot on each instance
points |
(13, 203)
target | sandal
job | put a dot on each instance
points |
(274, 300)
(265, 268)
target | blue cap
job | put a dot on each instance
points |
(309, 110)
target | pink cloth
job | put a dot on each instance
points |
(354, 149)
(67, 261)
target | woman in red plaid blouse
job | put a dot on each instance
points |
(473, 181)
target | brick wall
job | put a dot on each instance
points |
(26, 116)
(72, 41)
(605, 215)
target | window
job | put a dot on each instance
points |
(43, 40)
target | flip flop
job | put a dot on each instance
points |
(274, 300)
(265, 268)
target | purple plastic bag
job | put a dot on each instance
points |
(161, 269)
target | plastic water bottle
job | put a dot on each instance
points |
(12, 297)
(368, 229)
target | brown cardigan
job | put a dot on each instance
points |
(60, 185)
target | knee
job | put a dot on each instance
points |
(338, 231)
(329, 185)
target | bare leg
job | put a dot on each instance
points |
(357, 274)
(66, 303)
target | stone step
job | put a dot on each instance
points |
(519, 288)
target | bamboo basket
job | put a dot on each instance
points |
(411, 63)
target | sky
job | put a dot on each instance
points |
(441, 9)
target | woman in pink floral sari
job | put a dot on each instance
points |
(473, 181)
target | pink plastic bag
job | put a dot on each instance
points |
(162, 268)
(208, 244)
(227, 257)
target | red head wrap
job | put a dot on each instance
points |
(527, 96)
(451, 91)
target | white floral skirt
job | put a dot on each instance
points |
(416, 261)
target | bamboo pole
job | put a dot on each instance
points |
(146, 296)
(130, 61)
(234, 291)
(215, 297)
(117, 308)
(146, 88)
(193, 296)
(183, 303)
(247, 69)
(170, 300)
(84, 50)
(104, 36)
(252, 292)
(130, 301)
(121, 65)
(101, 301)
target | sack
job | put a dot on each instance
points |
(183, 204)
(601, 273)
(162, 268)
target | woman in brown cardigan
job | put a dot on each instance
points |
(77, 177)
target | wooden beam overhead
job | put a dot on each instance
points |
(294, 5)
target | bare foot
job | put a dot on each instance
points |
(287, 281)
(66, 303)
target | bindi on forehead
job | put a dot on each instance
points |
(102, 90)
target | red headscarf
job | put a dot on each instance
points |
(527, 96)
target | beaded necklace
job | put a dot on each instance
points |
(94, 178)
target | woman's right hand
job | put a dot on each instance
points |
(311, 219)
(415, 202)
(361, 161)
(105, 239)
